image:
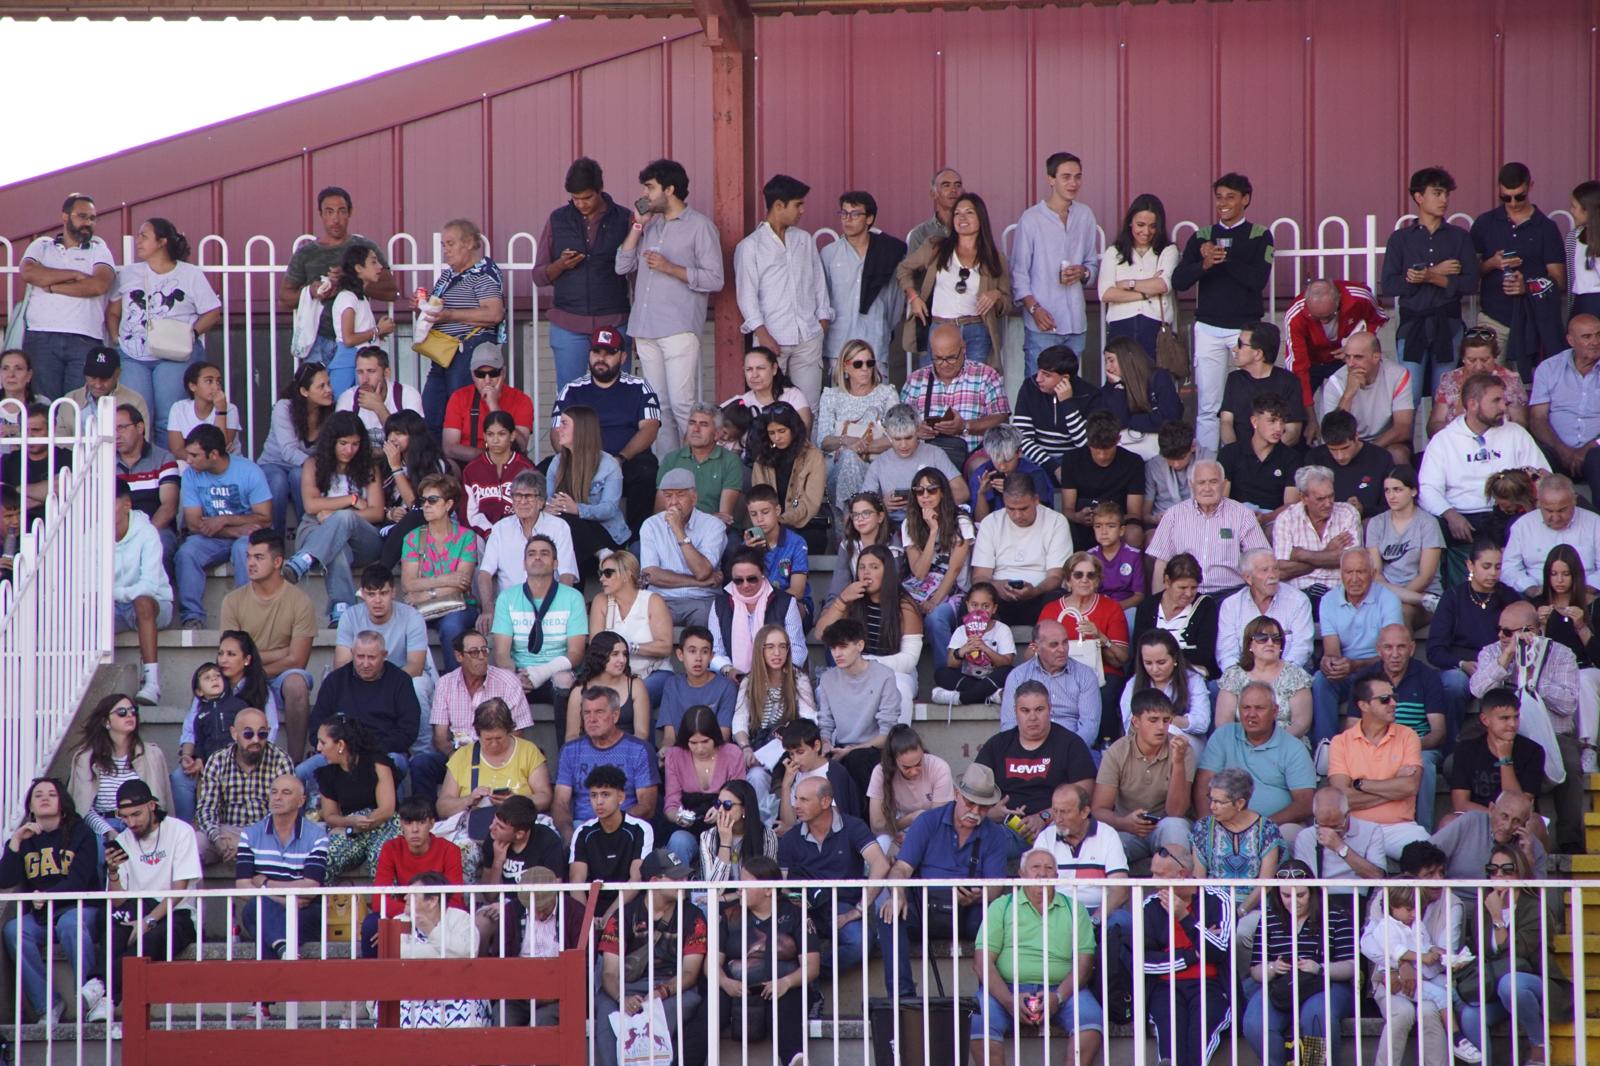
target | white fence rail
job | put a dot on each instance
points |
(55, 612)
(254, 338)
(841, 1015)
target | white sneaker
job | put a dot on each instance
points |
(100, 1012)
(946, 695)
(114, 1030)
(57, 1008)
(1466, 1051)
(149, 693)
(93, 994)
(994, 697)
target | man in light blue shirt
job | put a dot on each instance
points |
(225, 499)
(1053, 260)
(1564, 406)
(1351, 617)
(679, 547)
(1074, 690)
(1284, 775)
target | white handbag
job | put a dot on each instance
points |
(169, 339)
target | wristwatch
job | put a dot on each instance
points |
(685, 540)
(1344, 849)
(1358, 784)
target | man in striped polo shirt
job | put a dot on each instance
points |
(285, 850)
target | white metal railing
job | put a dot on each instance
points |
(856, 1016)
(56, 612)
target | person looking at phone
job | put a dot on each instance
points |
(577, 258)
(958, 399)
(498, 765)
(676, 253)
(1428, 267)
(891, 472)
(986, 484)
(1522, 268)
(1143, 787)
(1022, 551)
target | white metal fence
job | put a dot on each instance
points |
(850, 1017)
(254, 338)
(55, 612)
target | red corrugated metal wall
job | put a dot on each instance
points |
(1326, 106)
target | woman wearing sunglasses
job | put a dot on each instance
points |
(1261, 659)
(737, 833)
(698, 766)
(746, 603)
(111, 751)
(1306, 972)
(637, 615)
(961, 279)
(1514, 961)
(938, 538)
(437, 562)
(849, 423)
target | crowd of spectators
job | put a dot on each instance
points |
(1198, 641)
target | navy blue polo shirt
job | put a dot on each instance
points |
(1418, 692)
(1537, 240)
(839, 856)
(930, 847)
(620, 407)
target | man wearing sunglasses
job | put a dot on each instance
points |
(1428, 267)
(235, 786)
(1377, 764)
(859, 267)
(1522, 266)
(470, 406)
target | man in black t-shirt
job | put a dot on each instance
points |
(1501, 760)
(1255, 374)
(517, 842)
(1031, 760)
(611, 845)
(1358, 468)
(1260, 469)
(1097, 472)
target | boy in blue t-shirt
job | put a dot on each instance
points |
(788, 561)
(697, 685)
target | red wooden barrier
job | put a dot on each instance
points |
(563, 979)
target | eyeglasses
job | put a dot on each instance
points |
(486, 372)
(1514, 197)
(609, 571)
(961, 281)
(727, 805)
(925, 490)
(863, 364)
(1078, 575)
(252, 734)
(748, 580)
(1294, 875)
(430, 499)
(848, 215)
(1222, 801)
(524, 497)
(1165, 854)
(1267, 638)
(865, 513)
(1490, 869)
(1504, 632)
(125, 712)
(476, 652)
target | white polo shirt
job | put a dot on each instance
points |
(83, 315)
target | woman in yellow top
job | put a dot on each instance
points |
(505, 764)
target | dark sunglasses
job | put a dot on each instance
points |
(1504, 632)
(727, 805)
(1514, 197)
(1479, 333)
(430, 499)
(125, 712)
(1381, 699)
(609, 571)
(748, 580)
(475, 652)
(252, 734)
(925, 490)
(961, 281)
(1267, 638)
(1490, 869)
(1077, 574)
(863, 364)
(524, 497)
(486, 372)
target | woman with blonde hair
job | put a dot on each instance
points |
(639, 616)
(772, 695)
(849, 426)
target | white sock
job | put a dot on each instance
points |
(151, 674)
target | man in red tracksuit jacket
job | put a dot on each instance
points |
(1341, 307)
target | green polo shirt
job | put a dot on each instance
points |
(721, 470)
(1020, 939)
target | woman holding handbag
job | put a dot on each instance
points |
(470, 310)
(1136, 275)
(163, 306)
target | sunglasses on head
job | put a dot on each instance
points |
(863, 364)
(1479, 333)
(961, 280)
(1514, 197)
(252, 734)
(486, 372)
(1490, 869)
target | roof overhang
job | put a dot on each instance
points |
(328, 9)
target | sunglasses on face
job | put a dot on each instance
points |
(1504, 632)
(1165, 854)
(863, 364)
(747, 580)
(430, 499)
(1513, 197)
(1508, 868)
(609, 571)
(1267, 638)
(126, 712)
(524, 497)
(1083, 575)
(486, 372)
(961, 280)
(252, 734)
(1381, 699)
(727, 805)
(475, 652)
(925, 490)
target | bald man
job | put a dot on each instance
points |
(1377, 391)
(1075, 697)
(1557, 689)
(1421, 703)
(1564, 407)
(284, 850)
(1317, 324)
(1471, 836)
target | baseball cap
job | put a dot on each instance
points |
(678, 478)
(488, 355)
(134, 792)
(101, 362)
(663, 863)
(607, 338)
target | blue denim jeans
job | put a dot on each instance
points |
(975, 335)
(1035, 341)
(1080, 1013)
(25, 937)
(1322, 1015)
(185, 791)
(342, 368)
(160, 382)
(442, 382)
(1424, 371)
(273, 924)
(570, 351)
(1527, 989)
(58, 360)
(450, 627)
(1141, 330)
(284, 481)
(195, 554)
(1327, 707)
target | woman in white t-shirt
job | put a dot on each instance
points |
(1136, 275)
(765, 385)
(354, 324)
(207, 403)
(161, 285)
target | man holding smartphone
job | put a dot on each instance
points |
(1522, 267)
(677, 253)
(1428, 267)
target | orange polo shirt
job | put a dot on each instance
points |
(1353, 755)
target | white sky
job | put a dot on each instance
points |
(159, 78)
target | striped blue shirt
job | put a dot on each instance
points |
(304, 856)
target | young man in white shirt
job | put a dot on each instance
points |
(376, 395)
(70, 277)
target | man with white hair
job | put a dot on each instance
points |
(1558, 520)
(1352, 616)
(1309, 536)
(1337, 846)
(1319, 322)
(1265, 594)
(1217, 531)
(1564, 407)
(944, 190)
(986, 484)
(1377, 391)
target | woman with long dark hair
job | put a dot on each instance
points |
(908, 780)
(1583, 252)
(1158, 663)
(786, 459)
(437, 565)
(737, 833)
(890, 616)
(110, 752)
(1142, 395)
(410, 453)
(1180, 610)
(1136, 275)
(486, 481)
(297, 417)
(343, 506)
(866, 522)
(585, 486)
(938, 540)
(357, 789)
(1569, 615)
(765, 385)
(606, 663)
(961, 279)
(696, 768)
(162, 307)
